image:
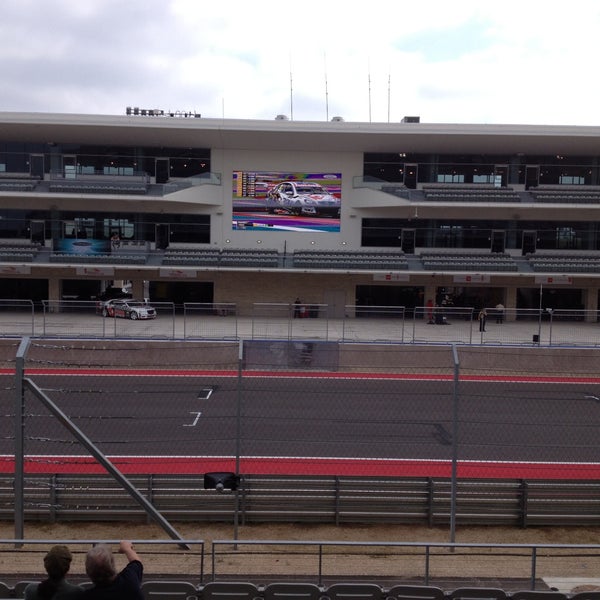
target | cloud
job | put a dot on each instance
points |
(451, 62)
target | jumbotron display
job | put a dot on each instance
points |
(287, 201)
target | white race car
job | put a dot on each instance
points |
(128, 309)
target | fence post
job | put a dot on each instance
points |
(19, 438)
(238, 441)
(454, 444)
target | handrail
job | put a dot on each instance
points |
(426, 546)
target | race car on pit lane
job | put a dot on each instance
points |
(128, 309)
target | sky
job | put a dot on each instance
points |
(511, 62)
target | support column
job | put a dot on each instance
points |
(510, 304)
(591, 304)
(137, 289)
(54, 289)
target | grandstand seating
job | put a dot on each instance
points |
(162, 589)
(565, 263)
(468, 261)
(316, 259)
(18, 253)
(578, 194)
(17, 185)
(471, 192)
(113, 259)
(187, 257)
(77, 187)
(242, 257)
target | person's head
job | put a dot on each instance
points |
(57, 562)
(100, 564)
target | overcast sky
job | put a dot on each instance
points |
(459, 61)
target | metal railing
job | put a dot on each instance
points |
(314, 322)
(394, 556)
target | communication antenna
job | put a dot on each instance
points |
(291, 91)
(389, 92)
(326, 90)
(369, 91)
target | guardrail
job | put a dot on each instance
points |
(394, 556)
(331, 500)
(316, 322)
(399, 570)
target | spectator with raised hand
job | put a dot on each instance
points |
(57, 563)
(108, 583)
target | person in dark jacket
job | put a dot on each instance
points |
(108, 583)
(57, 563)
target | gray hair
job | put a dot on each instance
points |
(100, 564)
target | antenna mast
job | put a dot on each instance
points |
(389, 88)
(369, 76)
(291, 92)
(326, 90)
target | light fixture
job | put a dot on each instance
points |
(221, 481)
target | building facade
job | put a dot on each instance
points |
(338, 214)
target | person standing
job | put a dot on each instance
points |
(108, 583)
(429, 307)
(499, 313)
(57, 563)
(482, 319)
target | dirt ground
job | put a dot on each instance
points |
(368, 562)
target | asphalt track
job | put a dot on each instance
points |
(310, 425)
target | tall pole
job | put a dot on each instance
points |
(291, 92)
(369, 89)
(454, 445)
(389, 94)
(238, 442)
(326, 89)
(540, 316)
(19, 438)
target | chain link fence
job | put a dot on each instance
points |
(302, 408)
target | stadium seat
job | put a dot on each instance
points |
(477, 593)
(292, 591)
(354, 591)
(170, 590)
(230, 590)
(415, 592)
(538, 595)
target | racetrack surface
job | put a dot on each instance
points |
(310, 425)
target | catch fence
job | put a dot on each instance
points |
(306, 410)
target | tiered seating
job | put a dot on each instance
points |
(323, 259)
(565, 263)
(469, 192)
(113, 259)
(17, 253)
(82, 187)
(476, 261)
(17, 185)
(300, 590)
(570, 194)
(241, 257)
(191, 257)
(399, 190)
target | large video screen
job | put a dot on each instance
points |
(278, 201)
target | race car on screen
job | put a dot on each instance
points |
(303, 198)
(128, 309)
